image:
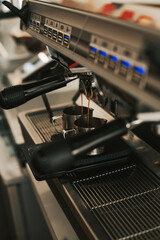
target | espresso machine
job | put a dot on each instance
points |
(114, 193)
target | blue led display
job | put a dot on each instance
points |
(114, 58)
(140, 70)
(103, 53)
(126, 63)
(31, 21)
(66, 36)
(93, 49)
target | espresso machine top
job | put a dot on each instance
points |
(119, 50)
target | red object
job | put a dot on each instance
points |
(107, 9)
(127, 15)
(72, 65)
(148, 18)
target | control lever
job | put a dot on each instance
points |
(59, 156)
(23, 13)
(6, 15)
(19, 94)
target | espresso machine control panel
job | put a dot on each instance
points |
(111, 56)
(114, 49)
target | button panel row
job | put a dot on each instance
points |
(56, 31)
(35, 21)
(119, 60)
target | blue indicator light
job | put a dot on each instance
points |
(31, 21)
(140, 70)
(114, 58)
(93, 49)
(103, 53)
(66, 36)
(126, 63)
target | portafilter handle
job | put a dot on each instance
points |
(61, 155)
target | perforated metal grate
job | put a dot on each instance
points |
(125, 201)
(42, 125)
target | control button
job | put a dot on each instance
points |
(68, 29)
(126, 63)
(56, 25)
(62, 27)
(140, 70)
(127, 53)
(115, 48)
(114, 58)
(92, 52)
(103, 53)
(52, 23)
(66, 36)
(60, 37)
(50, 32)
(112, 62)
(102, 56)
(93, 49)
(138, 75)
(66, 40)
(94, 39)
(125, 67)
(54, 36)
(47, 21)
(45, 32)
(104, 44)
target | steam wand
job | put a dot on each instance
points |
(60, 156)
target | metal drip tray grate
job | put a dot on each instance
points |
(125, 201)
(124, 198)
(42, 125)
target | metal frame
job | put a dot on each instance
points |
(128, 34)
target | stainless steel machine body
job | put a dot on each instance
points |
(119, 197)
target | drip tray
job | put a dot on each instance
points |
(124, 199)
(118, 202)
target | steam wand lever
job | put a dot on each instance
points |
(23, 13)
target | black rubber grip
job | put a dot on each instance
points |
(52, 158)
(12, 97)
(6, 15)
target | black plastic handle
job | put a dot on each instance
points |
(60, 156)
(12, 97)
(23, 13)
(15, 96)
(6, 15)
